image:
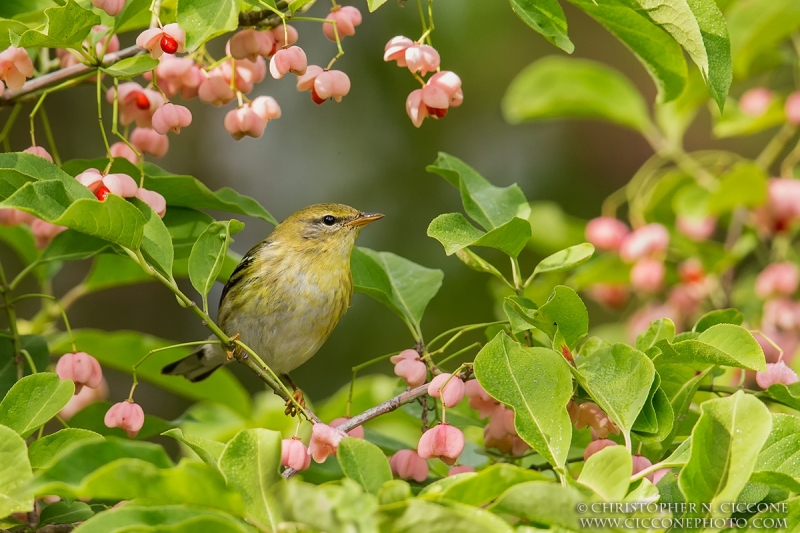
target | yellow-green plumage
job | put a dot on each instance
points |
(288, 292)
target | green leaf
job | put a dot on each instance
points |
(456, 233)
(202, 20)
(543, 502)
(786, 512)
(208, 254)
(208, 450)
(20, 239)
(656, 419)
(675, 117)
(329, 507)
(657, 51)
(789, 395)
(15, 473)
(618, 378)
(608, 473)
(134, 11)
(734, 122)
(745, 185)
(250, 463)
(416, 515)
(120, 350)
(109, 271)
(722, 344)
(35, 345)
(718, 316)
(663, 328)
(565, 259)
(564, 312)
(191, 482)
(558, 87)
(778, 462)
(71, 245)
(699, 27)
(536, 384)
(66, 27)
(372, 5)
(186, 191)
(114, 220)
(42, 451)
(553, 229)
(163, 518)
(131, 67)
(726, 441)
(757, 28)
(547, 18)
(485, 486)
(489, 206)
(401, 285)
(364, 463)
(604, 268)
(65, 513)
(156, 240)
(34, 400)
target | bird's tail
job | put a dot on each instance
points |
(199, 364)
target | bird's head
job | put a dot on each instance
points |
(325, 227)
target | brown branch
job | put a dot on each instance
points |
(54, 78)
(374, 412)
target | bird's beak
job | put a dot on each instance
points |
(365, 218)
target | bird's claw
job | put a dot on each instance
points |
(292, 403)
(237, 350)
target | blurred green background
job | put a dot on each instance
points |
(365, 152)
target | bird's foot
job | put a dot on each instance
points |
(292, 403)
(237, 350)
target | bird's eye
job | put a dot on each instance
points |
(329, 220)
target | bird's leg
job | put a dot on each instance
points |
(237, 350)
(297, 395)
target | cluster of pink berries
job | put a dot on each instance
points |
(756, 102)
(437, 95)
(645, 248)
(101, 185)
(85, 371)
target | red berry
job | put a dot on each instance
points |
(168, 44)
(315, 97)
(142, 102)
(436, 112)
(101, 193)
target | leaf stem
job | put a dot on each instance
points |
(11, 314)
(775, 146)
(61, 308)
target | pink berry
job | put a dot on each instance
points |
(442, 91)
(609, 296)
(294, 454)
(414, 372)
(215, 89)
(292, 59)
(755, 102)
(249, 44)
(111, 7)
(169, 39)
(120, 149)
(148, 141)
(415, 108)
(479, 399)
(776, 373)
(648, 240)
(284, 37)
(331, 84)
(171, 117)
(640, 463)
(697, 229)
(395, 50)
(647, 275)
(81, 368)
(422, 58)
(407, 464)
(15, 67)
(41, 152)
(606, 233)
(778, 279)
(453, 391)
(324, 441)
(357, 432)
(127, 416)
(346, 18)
(443, 441)
(595, 446)
(460, 469)
(84, 398)
(44, 232)
(792, 108)
(156, 202)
